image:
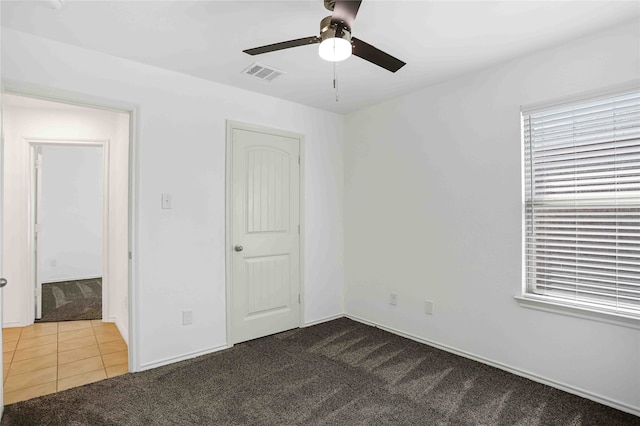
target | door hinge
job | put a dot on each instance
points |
(298, 229)
(37, 228)
(299, 160)
(130, 257)
(299, 299)
(38, 164)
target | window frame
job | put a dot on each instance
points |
(551, 304)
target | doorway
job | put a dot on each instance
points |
(264, 256)
(70, 202)
(45, 142)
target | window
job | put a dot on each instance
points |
(582, 204)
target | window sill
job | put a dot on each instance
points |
(543, 304)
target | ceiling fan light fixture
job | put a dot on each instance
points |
(334, 49)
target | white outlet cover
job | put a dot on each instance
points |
(187, 317)
(428, 307)
(393, 299)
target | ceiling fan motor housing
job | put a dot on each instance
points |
(327, 30)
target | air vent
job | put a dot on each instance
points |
(262, 72)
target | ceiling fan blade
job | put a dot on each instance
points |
(345, 11)
(283, 45)
(375, 55)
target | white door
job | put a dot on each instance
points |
(265, 199)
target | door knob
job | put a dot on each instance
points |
(238, 247)
(3, 282)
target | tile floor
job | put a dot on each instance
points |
(49, 357)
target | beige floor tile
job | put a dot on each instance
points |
(77, 343)
(81, 379)
(30, 392)
(31, 378)
(37, 351)
(107, 336)
(78, 367)
(99, 324)
(68, 335)
(73, 325)
(78, 354)
(115, 358)
(19, 367)
(29, 333)
(42, 326)
(110, 347)
(37, 341)
(11, 334)
(9, 346)
(117, 370)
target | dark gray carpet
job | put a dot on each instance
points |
(337, 373)
(72, 300)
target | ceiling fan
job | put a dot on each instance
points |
(336, 42)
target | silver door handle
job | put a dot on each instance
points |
(238, 247)
(3, 282)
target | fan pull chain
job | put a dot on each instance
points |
(335, 81)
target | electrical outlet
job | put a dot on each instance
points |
(187, 317)
(393, 299)
(428, 307)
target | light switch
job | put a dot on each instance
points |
(166, 201)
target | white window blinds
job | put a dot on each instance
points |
(582, 203)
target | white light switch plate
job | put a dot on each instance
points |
(166, 201)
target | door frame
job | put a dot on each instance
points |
(230, 126)
(133, 110)
(32, 144)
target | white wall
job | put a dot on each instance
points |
(20, 122)
(433, 211)
(71, 213)
(181, 142)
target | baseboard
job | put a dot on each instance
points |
(61, 280)
(11, 324)
(321, 320)
(124, 332)
(171, 360)
(536, 378)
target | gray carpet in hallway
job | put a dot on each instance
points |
(338, 373)
(72, 300)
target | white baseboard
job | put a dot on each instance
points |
(536, 378)
(171, 360)
(321, 320)
(11, 324)
(124, 332)
(61, 280)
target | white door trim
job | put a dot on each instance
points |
(82, 99)
(231, 125)
(31, 144)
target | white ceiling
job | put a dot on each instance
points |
(437, 39)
